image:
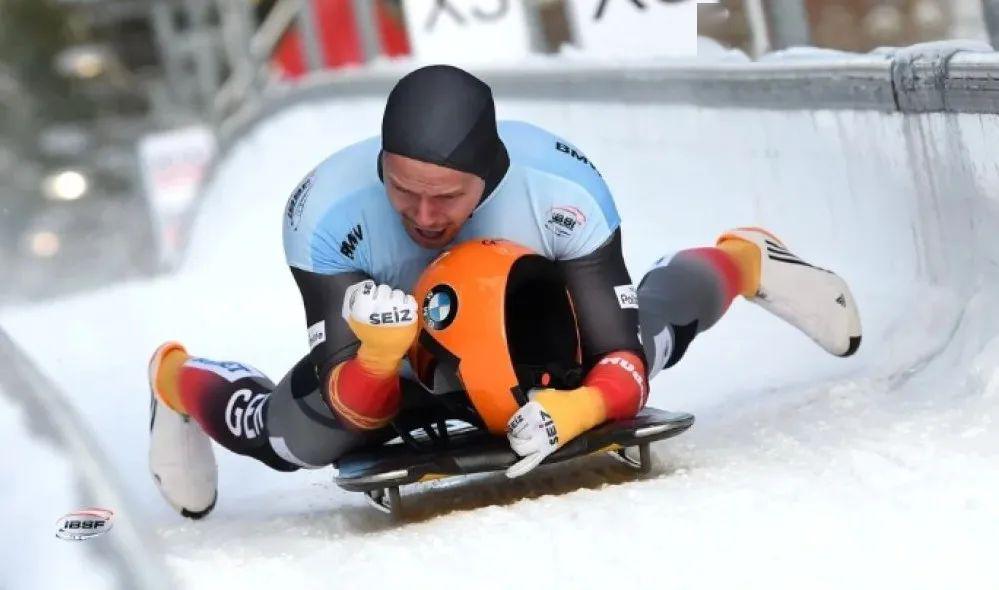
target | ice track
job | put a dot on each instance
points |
(803, 470)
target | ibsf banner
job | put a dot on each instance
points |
(173, 166)
(635, 28)
(468, 31)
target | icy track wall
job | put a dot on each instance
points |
(56, 463)
(833, 154)
(901, 203)
(880, 167)
(873, 165)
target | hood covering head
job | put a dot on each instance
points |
(444, 115)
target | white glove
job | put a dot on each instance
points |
(532, 435)
(384, 320)
(366, 303)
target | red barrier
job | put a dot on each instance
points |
(339, 38)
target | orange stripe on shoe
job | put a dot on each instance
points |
(164, 373)
(752, 228)
(747, 258)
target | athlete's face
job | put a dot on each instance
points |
(434, 201)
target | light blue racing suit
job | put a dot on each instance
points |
(551, 200)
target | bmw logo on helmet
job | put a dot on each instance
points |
(439, 307)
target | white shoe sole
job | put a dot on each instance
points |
(181, 458)
(815, 300)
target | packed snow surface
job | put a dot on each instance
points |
(803, 470)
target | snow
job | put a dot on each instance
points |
(41, 486)
(803, 470)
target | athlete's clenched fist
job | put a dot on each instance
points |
(384, 320)
(533, 435)
(552, 418)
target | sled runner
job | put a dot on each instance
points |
(451, 448)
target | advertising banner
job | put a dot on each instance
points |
(635, 28)
(467, 31)
(173, 165)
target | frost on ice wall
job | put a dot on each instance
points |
(901, 205)
(894, 447)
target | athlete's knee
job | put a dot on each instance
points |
(303, 430)
(683, 295)
(271, 458)
(692, 285)
(310, 444)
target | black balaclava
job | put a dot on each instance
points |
(445, 116)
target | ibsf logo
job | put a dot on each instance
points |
(84, 524)
(563, 220)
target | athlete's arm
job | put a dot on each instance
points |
(615, 386)
(360, 383)
(330, 338)
(606, 309)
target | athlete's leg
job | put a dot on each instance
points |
(196, 400)
(230, 401)
(687, 293)
(303, 430)
(286, 427)
(682, 296)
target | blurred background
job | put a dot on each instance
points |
(111, 111)
(123, 121)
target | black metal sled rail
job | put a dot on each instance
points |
(380, 471)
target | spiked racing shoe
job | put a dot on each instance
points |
(815, 300)
(181, 458)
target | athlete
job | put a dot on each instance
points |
(363, 226)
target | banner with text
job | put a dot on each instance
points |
(635, 28)
(468, 31)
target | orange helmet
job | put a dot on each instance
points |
(496, 320)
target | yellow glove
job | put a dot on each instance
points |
(551, 419)
(384, 320)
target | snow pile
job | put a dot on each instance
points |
(803, 469)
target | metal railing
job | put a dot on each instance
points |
(247, 48)
(948, 76)
(250, 70)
